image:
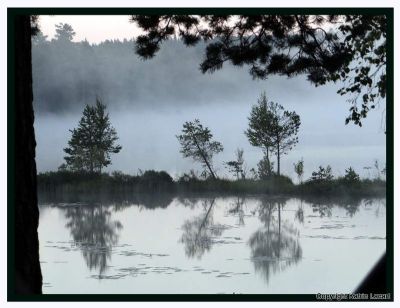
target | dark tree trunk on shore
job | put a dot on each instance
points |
(279, 159)
(28, 276)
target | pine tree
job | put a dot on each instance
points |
(284, 131)
(92, 141)
(64, 32)
(272, 128)
(259, 131)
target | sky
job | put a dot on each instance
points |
(94, 29)
(148, 124)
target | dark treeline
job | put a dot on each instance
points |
(86, 182)
(68, 84)
(69, 74)
(124, 185)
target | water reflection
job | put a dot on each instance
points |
(190, 202)
(381, 203)
(199, 232)
(144, 201)
(299, 215)
(323, 206)
(266, 228)
(275, 246)
(94, 233)
(236, 209)
(119, 201)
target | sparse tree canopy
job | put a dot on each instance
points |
(236, 166)
(285, 127)
(272, 128)
(196, 142)
(92, 142)
(347, 48)
(260, 125)
(323, 174)
(299, 169)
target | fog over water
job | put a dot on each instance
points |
(148, 102)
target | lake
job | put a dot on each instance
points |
(207, 244)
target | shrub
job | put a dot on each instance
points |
(323, 174)
(351, 176)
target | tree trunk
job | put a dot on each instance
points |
(204, 158)
(279, 160)
(268, 161)
(28, 276)
(205, 219)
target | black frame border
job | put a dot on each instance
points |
(12, 12)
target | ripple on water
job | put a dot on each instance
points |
(341, 237)
(131, 253)
(106, 277)
(334, 226)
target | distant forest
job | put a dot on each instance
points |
(67, 75)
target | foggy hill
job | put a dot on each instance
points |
(68, 75)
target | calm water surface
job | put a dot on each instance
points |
(209, 245)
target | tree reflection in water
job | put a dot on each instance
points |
(94, 233)
(275, 246)
(200, 231)
(381, 204)
(237, 210)
(324, 206)
(299, 214)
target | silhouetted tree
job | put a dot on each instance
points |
(28, 276)
(285, 126)
(323, 174)
(196, 142)
(236, 166)
(353, 51)
(64, 32)
(299, 169)
(260, 127)
(272, 128)
(351, 176)
(93, 141)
